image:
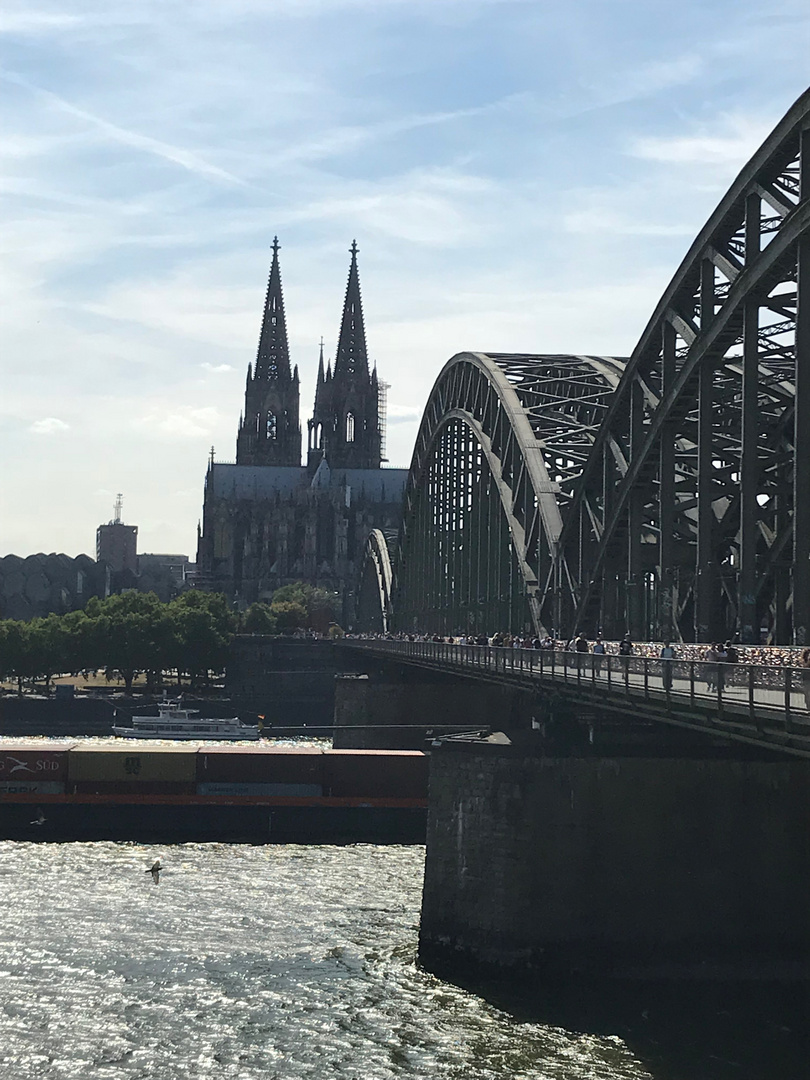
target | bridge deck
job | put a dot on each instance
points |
(750, 703)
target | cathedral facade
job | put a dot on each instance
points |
(269, 520)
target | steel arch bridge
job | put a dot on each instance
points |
(666, 495)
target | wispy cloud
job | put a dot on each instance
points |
(29, 21)
(729, 139)
(49, 425)
(647, 79)
(602, 220)
(184, 422)
(177, 155)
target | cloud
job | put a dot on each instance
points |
(731, 139)
(436, 206)
(49, 425)
(35, 22)
(646, 80)
(186, 159)
(216, 368)
(403, 414)
(601, 219)
(184, 422)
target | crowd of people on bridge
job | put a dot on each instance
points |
(713, 664)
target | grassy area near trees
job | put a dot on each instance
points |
(133, 633)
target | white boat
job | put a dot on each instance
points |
(173, 721)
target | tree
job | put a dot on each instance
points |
(259, 619)
(14, 651)
(289, 614)
(203, 625)
(320, 605)
(125, 634)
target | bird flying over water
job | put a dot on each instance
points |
(40, 818)
(154, 870)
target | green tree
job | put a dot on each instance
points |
(203, 625)
(126, 633)
(321, 606)
(14, 660)
(289, 614)
(259, 619)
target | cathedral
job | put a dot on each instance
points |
(269, 520)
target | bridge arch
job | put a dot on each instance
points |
(691, 519)
(668, 495)
(376, 576)
(501, 442)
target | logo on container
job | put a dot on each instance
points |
(39, 765)
(18, 766)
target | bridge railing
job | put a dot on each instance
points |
(761, 695)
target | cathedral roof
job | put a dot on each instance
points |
(273, 357)
(254, 482)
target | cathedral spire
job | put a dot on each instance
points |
(273, 356)
(345, 425)
(270, 433)
(352, 357)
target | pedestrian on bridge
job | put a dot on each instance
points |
(804, 662)
(598, 655)
(582, 647)
(625, 652)
(667, 656)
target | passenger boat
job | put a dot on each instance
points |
(173, 721)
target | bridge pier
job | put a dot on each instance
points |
(636, 867)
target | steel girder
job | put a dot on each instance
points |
(691, 518)
(502, 444)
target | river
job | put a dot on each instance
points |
(259, 963)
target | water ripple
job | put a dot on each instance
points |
(246, 962)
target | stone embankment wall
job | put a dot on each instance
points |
(630, 867)
(80, 715)
(289, 681)
(394, 706)
(27, 716)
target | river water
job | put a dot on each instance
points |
(256, 963)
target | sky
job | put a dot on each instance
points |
(520, 176)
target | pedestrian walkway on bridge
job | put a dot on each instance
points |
(764, 704)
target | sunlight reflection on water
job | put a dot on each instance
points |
(246, 962)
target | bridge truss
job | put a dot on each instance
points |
(667, 495)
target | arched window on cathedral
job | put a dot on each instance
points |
(272, 426)
(319, 437)
(349, 427)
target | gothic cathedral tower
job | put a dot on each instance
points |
(269, 431)
(345, 424)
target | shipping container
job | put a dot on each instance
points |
(395, 774)
(31, 787)
(260, 765)
(139, 789)
(299, 791)
(34, 762)
(133, 764)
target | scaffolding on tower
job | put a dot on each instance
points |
(382, 410)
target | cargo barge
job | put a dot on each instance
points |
(206, 792)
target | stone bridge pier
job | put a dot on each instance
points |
(684, 865)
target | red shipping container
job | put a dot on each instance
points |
(378, 774)
(262, 765)
(34, 761)
(144, 787)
